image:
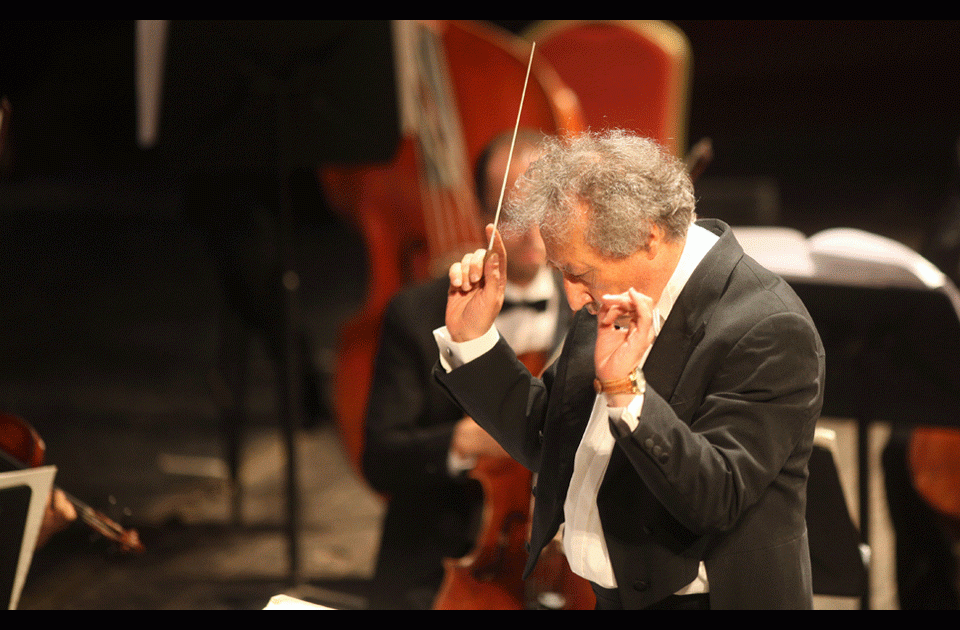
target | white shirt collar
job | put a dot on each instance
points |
(698, 242)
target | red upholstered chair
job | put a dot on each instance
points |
(628, 74)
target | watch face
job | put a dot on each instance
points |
(639, 381)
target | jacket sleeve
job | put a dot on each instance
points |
(708, 458)
(499, 392)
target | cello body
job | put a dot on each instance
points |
(490, 576)
(933, 457)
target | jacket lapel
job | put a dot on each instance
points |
(687, 322)
(572, 402)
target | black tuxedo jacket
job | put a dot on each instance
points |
(716, 470)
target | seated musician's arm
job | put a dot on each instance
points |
(409, 423)
(498, 391)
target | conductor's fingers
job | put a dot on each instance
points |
(476, 265)
(456, 275)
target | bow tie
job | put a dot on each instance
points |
(537, 305)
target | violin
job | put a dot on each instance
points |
(22, 447)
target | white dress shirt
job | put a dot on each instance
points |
(583, 539)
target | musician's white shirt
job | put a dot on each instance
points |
(526, 330)
(583, 539)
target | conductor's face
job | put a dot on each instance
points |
(589, 275)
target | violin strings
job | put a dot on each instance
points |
(503, 188)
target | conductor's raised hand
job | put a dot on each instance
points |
(475, 296)
(624, 333)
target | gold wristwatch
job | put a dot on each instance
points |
(634, 384)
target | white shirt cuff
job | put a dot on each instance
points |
(454, 354)
(627, 419)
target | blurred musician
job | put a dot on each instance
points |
(419, 446)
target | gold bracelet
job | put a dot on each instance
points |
(635, 384)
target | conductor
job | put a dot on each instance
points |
(672, 436)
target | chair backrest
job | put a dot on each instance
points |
(628, 74)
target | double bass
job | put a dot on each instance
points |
(460, 83)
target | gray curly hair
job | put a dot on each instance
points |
(629, 183)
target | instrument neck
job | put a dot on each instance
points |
(430, 114)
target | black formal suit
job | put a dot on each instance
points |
(717, 468)
(409, 427)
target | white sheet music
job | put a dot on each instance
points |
(844, 256)
(286, 602)
(855, 256)
(784, 251)
(40, 480)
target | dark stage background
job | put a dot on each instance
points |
(112, 302)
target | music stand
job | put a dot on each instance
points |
(265, 98)
(890, 325)
(23, 498)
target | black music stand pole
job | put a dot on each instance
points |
(291, 370)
